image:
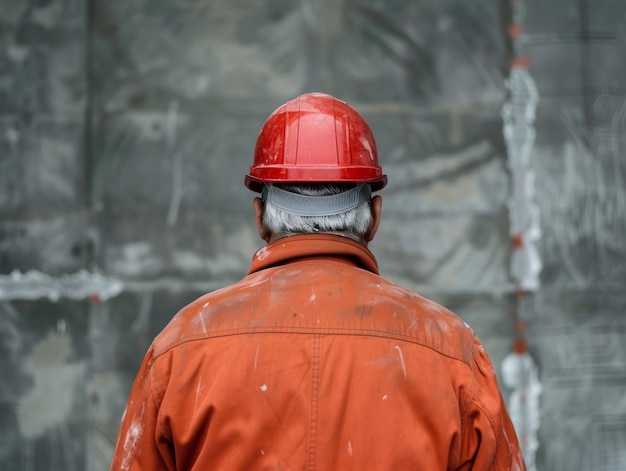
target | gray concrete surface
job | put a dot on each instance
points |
(125, 131)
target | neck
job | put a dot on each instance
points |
(347, 235)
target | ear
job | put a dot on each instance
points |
(264, 232)
(375, 206)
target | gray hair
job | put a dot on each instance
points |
(352, 223)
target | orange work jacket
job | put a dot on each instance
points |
(315, 362)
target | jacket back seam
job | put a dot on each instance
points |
(313, 420)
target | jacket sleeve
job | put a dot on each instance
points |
(489, 440)
(140, 445)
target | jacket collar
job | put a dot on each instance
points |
(289, 249)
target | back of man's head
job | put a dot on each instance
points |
(341, 208)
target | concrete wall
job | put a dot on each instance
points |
(126, 128)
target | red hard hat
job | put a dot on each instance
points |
(315, 138)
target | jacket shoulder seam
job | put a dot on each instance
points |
(160, 350)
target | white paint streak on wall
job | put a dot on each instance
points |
(49, 402)
(171, 126)
(134, 259)
(385, 397)
(193, 263)
(177, 181)
(520, 374)
(349, 448)
(397, 347)
(171, 123)
(152, 126)
(142, 321)
(263, 387)
(518, 116)
(13, 137)
(80, 285)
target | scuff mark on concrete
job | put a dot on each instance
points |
(54, 382)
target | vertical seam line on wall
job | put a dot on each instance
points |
(87, 151)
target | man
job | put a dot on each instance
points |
(314, 361)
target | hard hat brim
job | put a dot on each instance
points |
(256, 182)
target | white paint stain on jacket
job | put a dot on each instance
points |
(132, 438)
(198, 393)
(256, 357)
(397, 347)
